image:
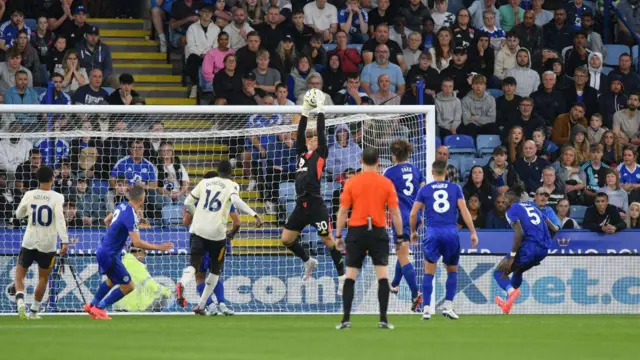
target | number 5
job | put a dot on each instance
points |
(535, 219)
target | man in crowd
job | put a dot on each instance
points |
(530, 35)
(78, 28)
(271, 31)
(125, 94)
(612, 101)
(323, 17)
(529, 167)
(564, 123)
(556, 193)
(580, 92)
(478, 110)
(549, 102)
(557, 33)
(603, 217)
(9, 30)
(238, 29)
(93, 54)
(92, 93)
(21, 94)
(626, 122)
(9, 68)
(630, 79)
(527, 79)
(414, 13)
(351, 94)
(371, 73)
(382, 37)
(353, 20)
(299, 31)
(460, 71)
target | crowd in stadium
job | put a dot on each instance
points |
(529, 72)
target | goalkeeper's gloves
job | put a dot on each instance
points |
(308, 109)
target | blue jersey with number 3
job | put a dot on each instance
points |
(533, 223)
(124, 221)
(440, 199)
(406, 178)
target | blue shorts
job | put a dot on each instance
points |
(113, 268)
(443, 242)
(529, 255)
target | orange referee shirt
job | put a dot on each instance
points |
(369, 194)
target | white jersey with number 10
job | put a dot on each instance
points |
(46, 220)
(214, 204)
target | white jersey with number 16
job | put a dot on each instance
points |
(213, 207)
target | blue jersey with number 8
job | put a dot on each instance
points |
(440, 199)
(533, 223)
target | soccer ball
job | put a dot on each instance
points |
(311, 98)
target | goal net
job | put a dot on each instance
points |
(99, 152)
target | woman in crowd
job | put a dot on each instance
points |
(442, 49)
(612, 154)
(333, 77)
(479, 184)
(617, 196)
(74, 75)
(214, 59)
(514, 144)
(287, 55)
(254, 11)
(634, 215)
(227, 80)
(173, 179)
(463, 34)
(546, 148)
(297, 79)
(477, 214)
(564, 212)
(568, 174)
(580, 143)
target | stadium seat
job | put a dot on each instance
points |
(40, 90)
(329, 47)
(460, 144)
(290, 205)
(287, 192)
(455, 161)
(613, 52)
(635, 55)
(496, 93)
(486, 144)
(99, 187)
(108, 89)
(172, 215)
(606, 70)
(468, 163)
(327, 189)
(438, 142)
(32, 24)
(577, 213)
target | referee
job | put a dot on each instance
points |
(367, 232)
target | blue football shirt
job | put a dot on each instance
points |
(124, 221)
(629, 176)
(143, 171)
(440, 199)
(406, 178)
(532, 221)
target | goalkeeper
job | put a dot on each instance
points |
(312, 151)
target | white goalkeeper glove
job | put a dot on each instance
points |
(308, 109)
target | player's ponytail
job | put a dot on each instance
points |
(401, 149)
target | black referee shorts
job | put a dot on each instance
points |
(362, 241)
(310, 211)
(28, 256)
(200, 246)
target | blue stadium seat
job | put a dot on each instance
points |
(31, 24)
(172, 215)
(496, 93)
(290, 205)
(99, 187)
(40, 90)
(577, 213)
(287, 192)
(613, 52)
(438, 142)
(468, 163)
(327, 189)
(108, 89)
(329, 47)
(460, 144)
(606, 70)
(486, 143)
(457, 160)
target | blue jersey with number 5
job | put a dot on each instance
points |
(440, 199)
(533, 223)
(124, 221)
(406, 178)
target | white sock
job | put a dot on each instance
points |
(20, 301)
(448, 304)
(510, 291)
(35, 307)
(162, 37)
(187, 274)
(212, 281)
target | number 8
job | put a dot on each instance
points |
(441, 203)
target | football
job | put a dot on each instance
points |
(311, 97)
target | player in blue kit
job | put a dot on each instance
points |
(531, 242)
(442, 200)
(123, 224)
(407, 179)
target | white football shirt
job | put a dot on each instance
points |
(45, 220)
(212, 211)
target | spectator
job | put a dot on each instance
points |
(578, 54)
(530, 34)
(91, 208)
(21, 94)
(281, 167)
(558, 34)
(349, 58)
(442, 18)
(527, 79)
(514, 144)
(13, 151)
(255, 14)
(543, 16)
(612, 101)
(529, 166)
(462, 29)
(94, 54)
(248, 94)
(442, 50)
(595, 173)
(316, 52)
(569, 175)
(411, 97)
(173, 179)
(297, 79)
(511, 15)
(322, 17)
(564, 212)
(564, 123)
(379, 15)
(428, 34)
(354, 21)
(483, 56)
(382, 37)
(10, 29)
(42, 40)
(60, 17)
(528, 120)
(26, 173)
(238, 29)
(287, 55)
(602, 217)
(563, 81)
(344, 153)
(266, 77)
(272, 30)
(63, 182)
(506, 57)
(634, 215)
(475, 209)
(479, 185)
(86, 146)
(115, 148)
(314, 81)
(453, 174)
(10, 68)
(460, 71)
(30, 58)
(496, 34)
(117, 194)
(499, 172)
(213, 61)
(497, 217)
(282, 96)
(183, 14)
(478, 110)
(91, 93)
(412, 53)
(423, 68)
(71, 216)
(575, 10)
(556, 193)
(227, 80)
(299, 32)
(595, 130)
(594, 40)
(202, 36)
(333, 76)
(478, 8)
(626, 122)
(74, 75)
(153, 145)
(124, 95)
(541, 200)
(384, 96)
(371, 72)
(448, 110)
(549, 101)
(611, 148)
(630, 78)
(247, 56)
(8, 204)
(629, 173)
(627, 9)
(57, 55)
(414, 13)
(78, 27)
(544, 148)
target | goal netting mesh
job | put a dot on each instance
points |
(98, 155)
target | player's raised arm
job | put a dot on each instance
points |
(139, 243)
(466, 216)
(301, 137)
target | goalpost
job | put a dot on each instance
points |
(85, 144)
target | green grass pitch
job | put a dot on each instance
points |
(540, 337)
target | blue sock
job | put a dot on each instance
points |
(410, 276)
(219, 292)
(516, 280)
(200, 290)
(427, 289)
(397, 277)
(102, 291)
(451, 285)
(503, 282)
(112, 298)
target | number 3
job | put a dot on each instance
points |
(409, 189)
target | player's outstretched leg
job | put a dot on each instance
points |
(99, 312)
(338, 260)
(409, 274)
(102, 291)
(451, 287)
(505, 284)
(210, 307)
(290, 240)
(210, 284)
